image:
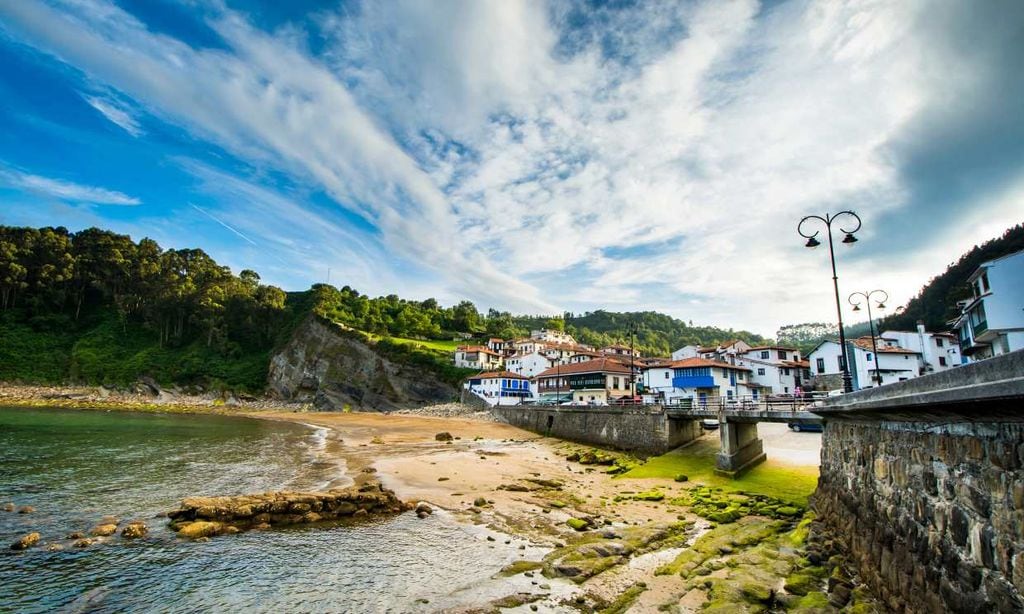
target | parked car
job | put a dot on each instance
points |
(811, 427)
(709, 424)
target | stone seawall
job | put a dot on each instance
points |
(931, 515)
(644, 429)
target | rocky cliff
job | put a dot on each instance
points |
(330, 367)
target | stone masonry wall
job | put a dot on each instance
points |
(930, 514)
(644, 429)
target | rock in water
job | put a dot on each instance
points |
(8, 507)
(26, 542)
(103, 530)
(134, 530)
(208, 516)
(26, 509)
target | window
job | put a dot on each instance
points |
(869, 359)
(615, 383)
(839, 360)
(728, 394)
(740, 375)
(760, 371)
(938, 342)
(666, 374)
(786, 389)
(942, 361)
(782, 355)
(821, 365)
(765, 354)
(785, 371)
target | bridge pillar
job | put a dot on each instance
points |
(741, 449)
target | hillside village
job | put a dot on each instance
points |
(551, 367)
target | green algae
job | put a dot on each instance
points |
(593, 553)
(812, 603)
(625, 600)
(788, 483)
(577, 524)
(519, 567)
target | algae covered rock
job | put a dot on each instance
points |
(103, 530)
(578, 524)
(26, 509)
(26, 541)
(134, 530)
(199, 528)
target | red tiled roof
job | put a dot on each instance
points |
(864, 343)
(704, 362)
(800, 364)
(497, 374)
(773, 347)
(476, 348)
(598, 365)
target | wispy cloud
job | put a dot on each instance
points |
(115, 113)
(65, 190)
(537, 156)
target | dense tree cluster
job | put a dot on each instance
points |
(52, 276)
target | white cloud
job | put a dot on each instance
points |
(65, 190)
(116, 114)
(663, 153)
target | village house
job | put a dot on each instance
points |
(723, 352)
(991, 322)
(593, 382)
(939, 351)
(529, 365)
(893, 363)
(617, 350)
(498, 345)
(549, 335)
(698, 380)
(477, 357)
(500, 387)
(775, 369)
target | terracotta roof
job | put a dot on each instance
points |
(773, 347)
(498, 374)
(800, 364)
(704, 362)
(476, 348)
(864, 343)
(598, 365)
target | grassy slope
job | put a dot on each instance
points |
(697, 461)
(432, 344)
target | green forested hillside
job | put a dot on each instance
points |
(98, 307)
(935, 304)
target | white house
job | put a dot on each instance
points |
(529, 365)
(893, 363)
(700, 380)
(687, 351)
(477, 357)
(776, 369)
(550, 335)
(939, 351)
(618, 350)
(992, 321)
(500, 387)
(724, 352)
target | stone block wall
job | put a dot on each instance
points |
(930, 514)
(644, 429)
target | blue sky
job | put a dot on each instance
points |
(532, 156)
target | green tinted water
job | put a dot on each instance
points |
(75, 467)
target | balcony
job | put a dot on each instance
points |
(693, 381)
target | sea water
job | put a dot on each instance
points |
(74, 467)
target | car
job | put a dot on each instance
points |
(810, 427)
(709, 424)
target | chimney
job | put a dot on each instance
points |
(920, 327)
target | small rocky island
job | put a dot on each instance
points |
(200, 517)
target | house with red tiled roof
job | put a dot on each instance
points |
(500, 387)
(477, 357)
(700, 381)
(592, 382)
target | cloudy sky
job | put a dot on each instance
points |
(530, 156)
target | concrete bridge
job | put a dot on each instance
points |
(657, 429)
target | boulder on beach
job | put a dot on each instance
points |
(444, 436)
(423, 510)
(26, 541)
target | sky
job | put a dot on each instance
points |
(528, 156)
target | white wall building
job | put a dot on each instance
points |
(992, 321)
(894, 364)
(698, 379)
(477, 357)
(939, 351)
(500, 387)
(552, 336)
(529, 365)
(777, 369)
(687, 351)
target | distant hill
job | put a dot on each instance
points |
(935, 304)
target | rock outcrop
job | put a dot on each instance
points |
(332, 368)
(208, 516)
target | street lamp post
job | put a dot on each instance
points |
(632, 367)
(871, 323)
(849, 239)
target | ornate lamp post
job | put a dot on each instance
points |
(871, 323)
(849, 239)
